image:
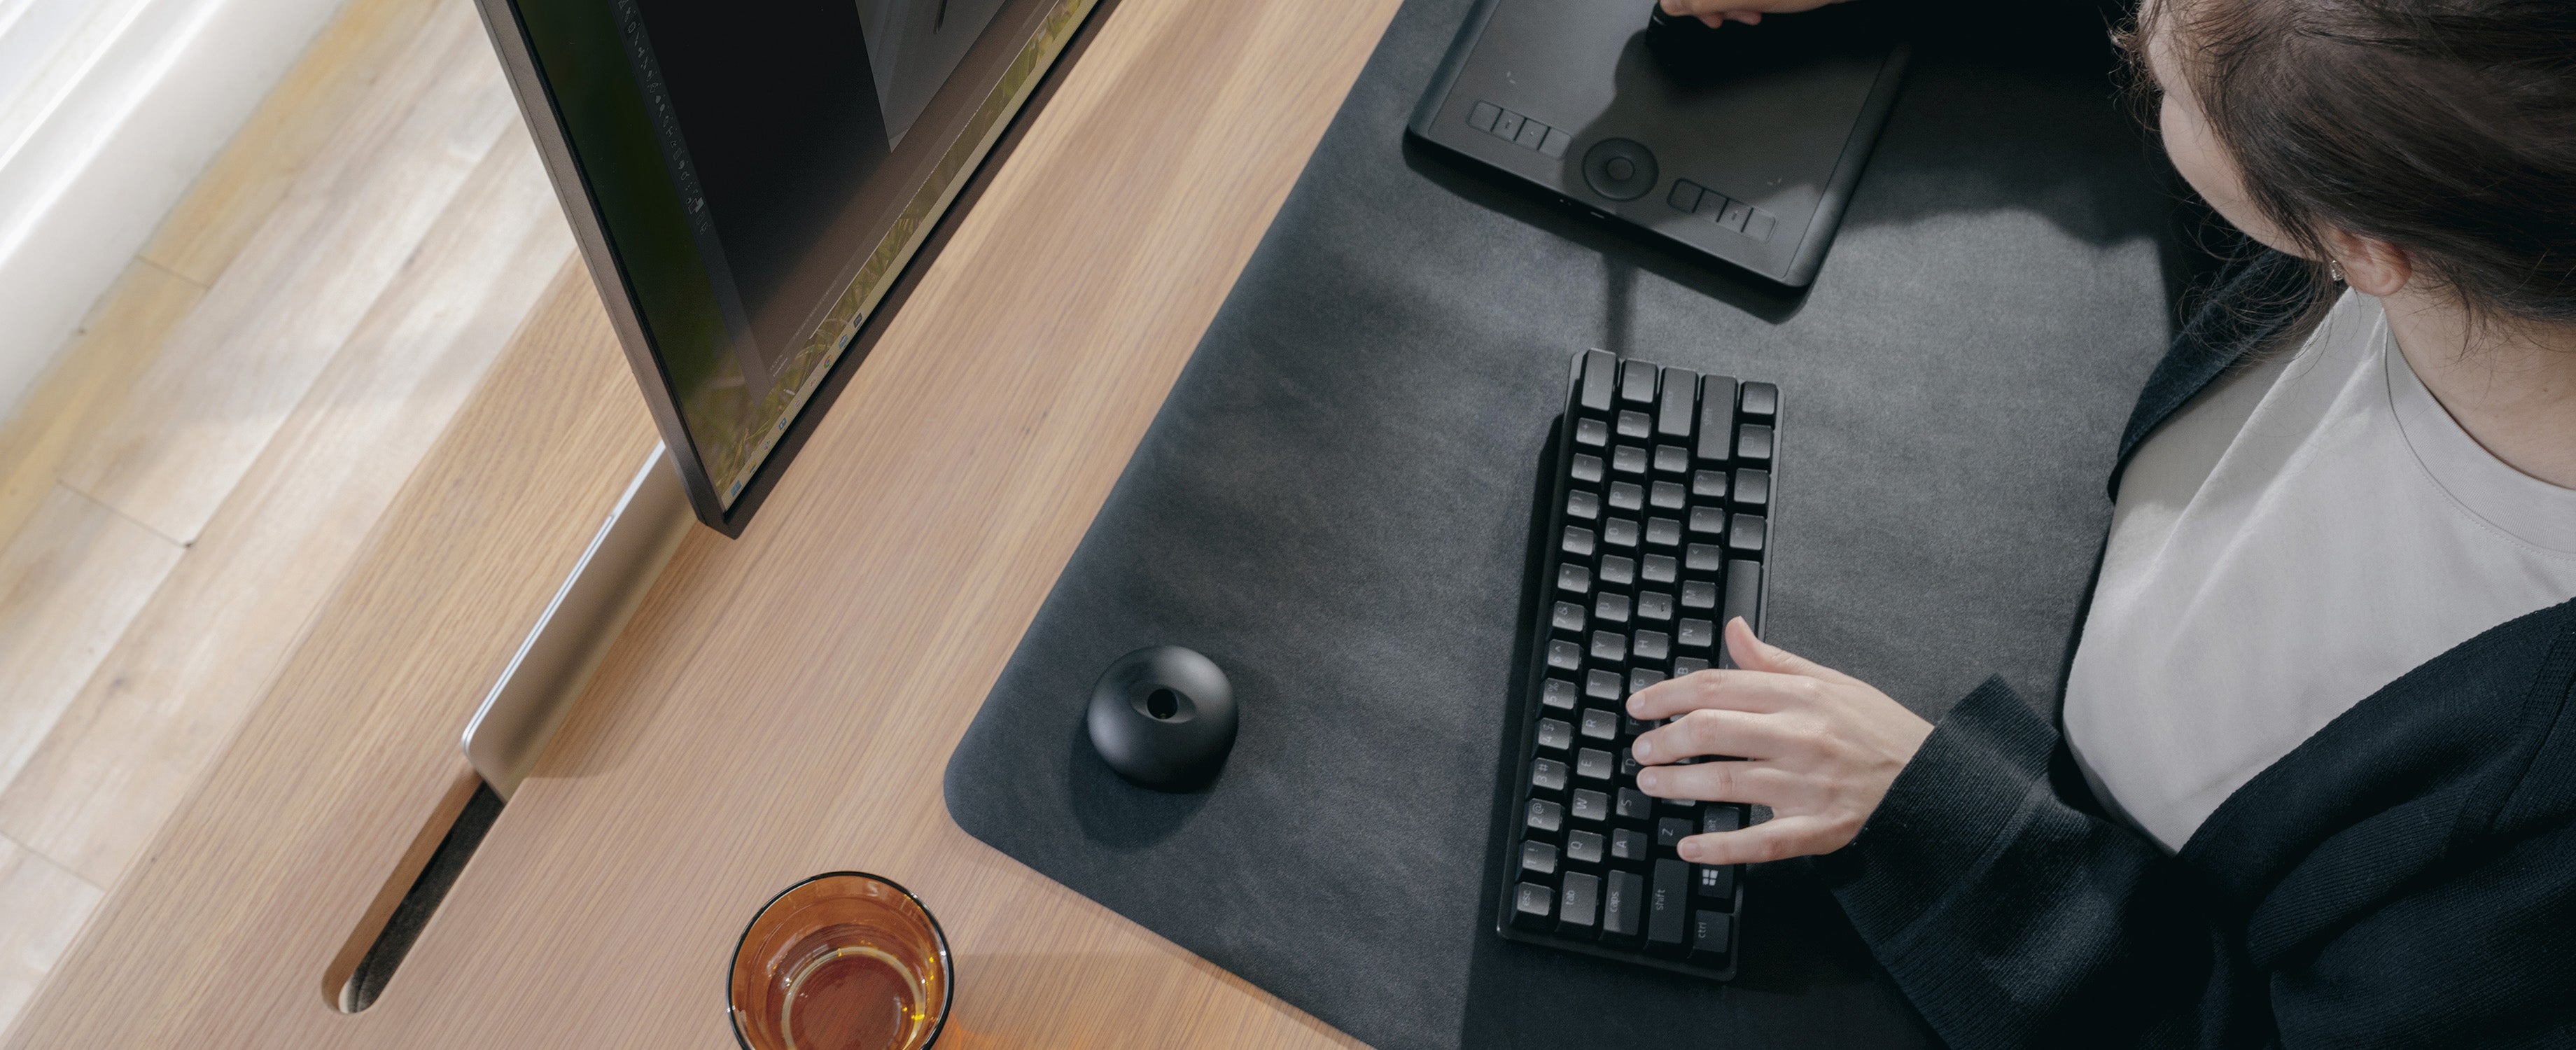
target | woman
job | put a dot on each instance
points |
(2314, 781)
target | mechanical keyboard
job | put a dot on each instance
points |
(1660, 527)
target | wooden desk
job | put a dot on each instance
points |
(784, 703)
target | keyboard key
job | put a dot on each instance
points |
(1626, 497)
(1587, 469)
(1531, 904)
(1673, 412)
(1610, 609)
(1663, 532)
(1654, 605)
(1716, 418)
(1696, 634)
(1715, 881)
(1554, 735)
(1567, 619)
(1641, 677)
(1573, 579)
(1712, 937)
(1630, 728)
(1625, 844)
(1547, 776)
(1602, 686)
(1706, 523)
(1743, 596)
(1599, 724)
(1628, 459)
(1620, 532)
(1669, 833)
(1544, 816)
(1634, 806)
(1752, 490)
(1590, 806)
(1537, 858)
(1564, 655)
(1617, 571)
(1636, 383)
(1651, 645)
(1761, 401)
(1591, 763)
(1753, 444)
(1746, 535)
(1592, 433)
(1609, 648)
(1672, 459)
(1683, 665)
(1594, 392)
(1584, 847)
(1699, 594)
(1623, 908)
(1702, 557)
(1577, 902)
(1628, 766)
(1557, 694)
(1689, 807)
(1668, 495)
(1577, 541)
(1667, 908)
(1658, 569)
(1720, 818)
(1634, 425)
(1708, 485)
(1582, 506)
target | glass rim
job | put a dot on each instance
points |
(938, 937)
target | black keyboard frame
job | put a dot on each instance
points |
(1529, 709)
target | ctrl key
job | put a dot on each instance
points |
(1531, 906)
(1712, 938)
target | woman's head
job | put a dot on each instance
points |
(2413, 140)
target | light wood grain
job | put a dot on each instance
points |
(243, 359)
(191, 667)
(47, 905)
(297, 122)
(784, 703)
(86, 384)
(70, 582)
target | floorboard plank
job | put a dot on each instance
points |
(87, 383)
(46, 906)
(70, 582)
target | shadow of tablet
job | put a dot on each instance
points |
(1114, 813)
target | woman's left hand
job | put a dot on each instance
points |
(1820, 748)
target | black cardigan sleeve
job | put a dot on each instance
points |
(2014, 915)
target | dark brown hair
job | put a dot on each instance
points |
(2444, 127)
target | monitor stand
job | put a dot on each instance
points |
(1744, 148)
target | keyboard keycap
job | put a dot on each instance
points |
(1576, 904)
(1617, 571)
(1599, 377)
(1715, 881)
(1573, 579)
(1704, 557)
(1716, 418)
(1651, 645)
(1564, 655)
(1706, 523)
(1591, 763)
(1753, 444)
(1599, 724)
(1669, 833)
(1683, 665)
(1609, 648)
(1636, 383)
(1592, 433)
(1634, 425)
(1635, 806)
(1625, 844)
(1629, 460)
(1584, 847)
(1663, 532)
(1547, 776)
(1658, 569)
(1582, 506)
(1668, 907)
(1628, 765)
(1752, 490)
(1626, 497)
(1587, 469)
(1762, 401)
(1590, 806)
(1667, 495)
(1610, 609)
(1537, 858)
(1619, 532)
(1577, 541)
(1673, 412)
(1672, 459)
(1720, 818)
(1712, 937)
(1544, 816)
(1531, 904)
(1696, 634)
(1557, 694)
(1554, 735)
(1746, 535)
(1567, 619)
(1708, 485)
(1654, 606)
(1623, 908)
(1641, 677)
(1699, 594)
(1743, 598)
(1602, 685)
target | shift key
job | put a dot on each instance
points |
(1668, 908)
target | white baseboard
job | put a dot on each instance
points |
(92, 177)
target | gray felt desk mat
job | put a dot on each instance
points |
(1335, 505)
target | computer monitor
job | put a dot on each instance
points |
(748, 180)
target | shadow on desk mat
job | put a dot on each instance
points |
(1335, 504)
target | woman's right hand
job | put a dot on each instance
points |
(1750, 12)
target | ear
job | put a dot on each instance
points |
(2370, 265)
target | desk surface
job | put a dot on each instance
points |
(783, 703)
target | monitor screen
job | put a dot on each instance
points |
(748, 178)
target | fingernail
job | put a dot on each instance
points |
(1693, 851)
(1643, 749)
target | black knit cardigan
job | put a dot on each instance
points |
(2405, 877)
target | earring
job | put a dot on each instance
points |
(2334, 270)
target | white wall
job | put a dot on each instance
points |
(108, 110)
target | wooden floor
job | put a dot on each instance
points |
(190, 482)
